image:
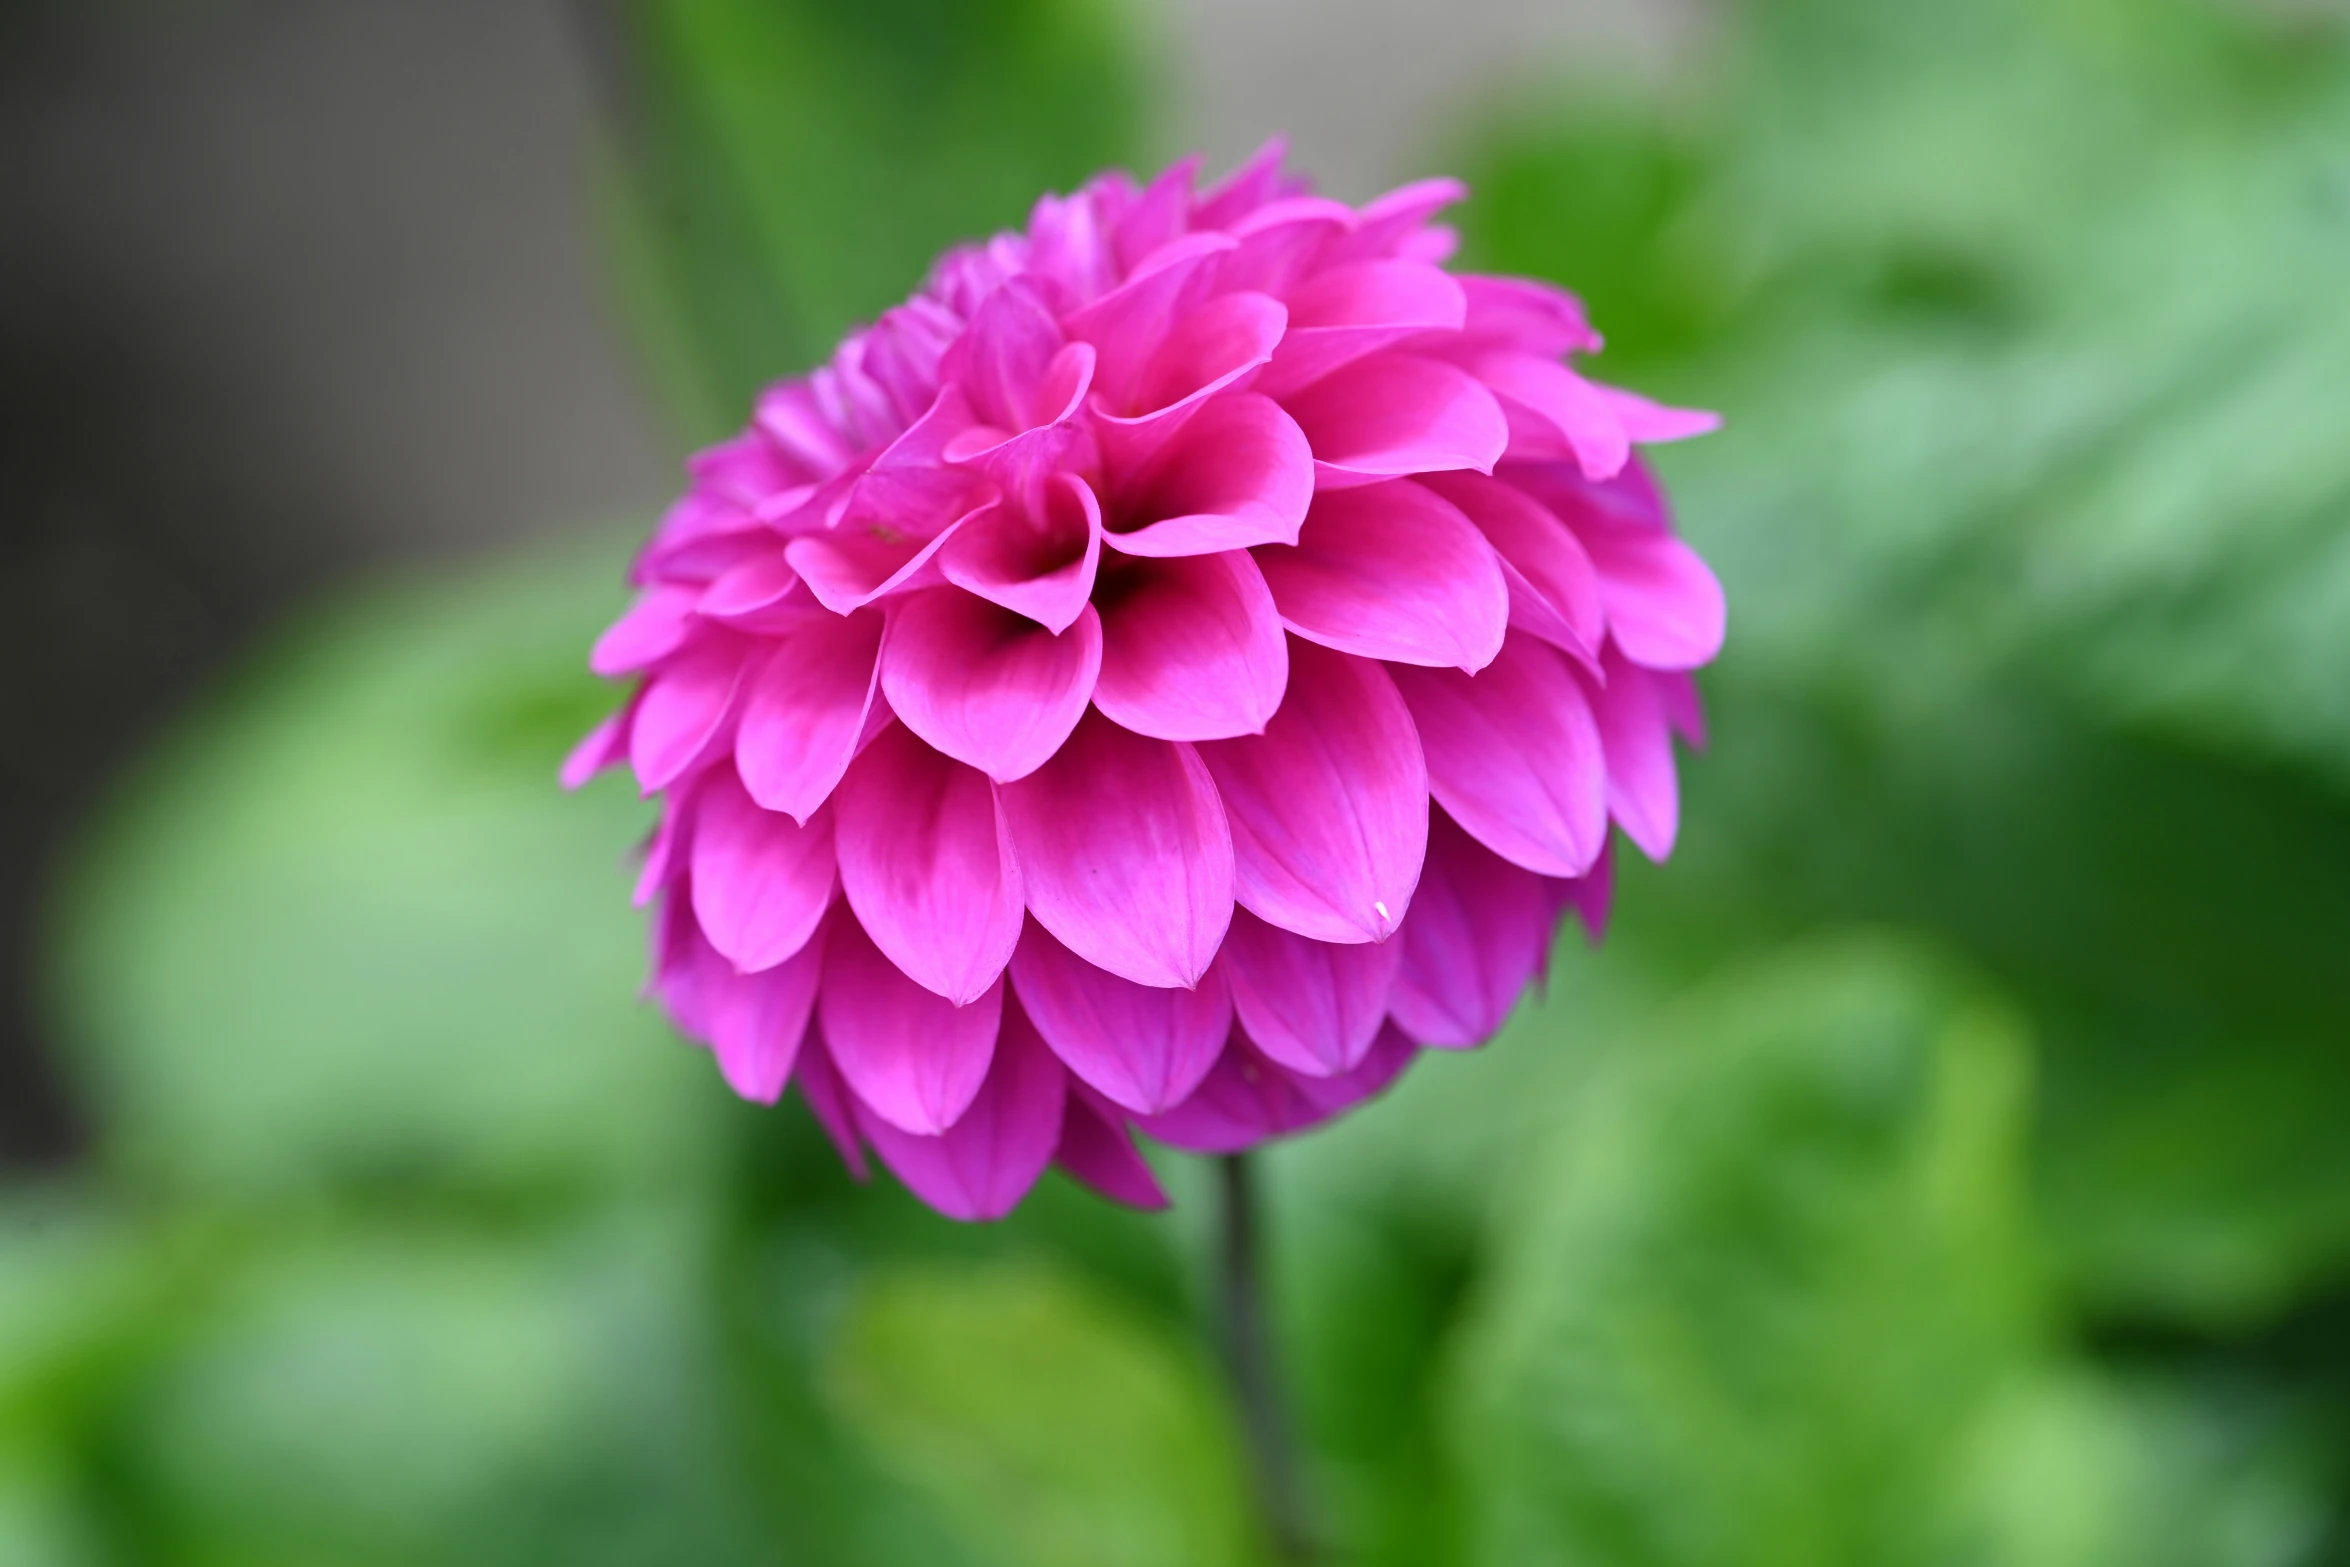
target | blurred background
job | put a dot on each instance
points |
(1947, 1159)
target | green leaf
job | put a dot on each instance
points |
(1772, 1265)
(1057, 1430)
(345, 932)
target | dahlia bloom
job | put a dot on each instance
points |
(1171, 670)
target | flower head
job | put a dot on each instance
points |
(1175, 667)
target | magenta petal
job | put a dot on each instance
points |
(1393, 414)
(1158, 215)
(1246, 188)
(1144, 1047)
(1684, 709)
(604, 746)
(1097, 1149)
(1392, 572)
(1555, 590)
(1127, 325)
(982, 1166)
(1570, 414)
(1514, 754)
(1209, 348)
(1313, 1006)
(1240, 473)
(1282, 241)
(1035, 561)
(757, 595)
(1345, 313)
(1192, 648)
(849, 569)
(830, 1101)
(1002, 359)
(759, 1021)
(1125, 852)
(927, 864)
(761, 880)
(1247, 1098)
(1477, 933)
(985, 685)
(1385, 221)
(1525, 313)
(650, 630)
(1329, 806)
(681, 710)
(807, 710)
(1643, 793)
(1646, 421)
(1664, 605)
(915, 1059)
(1592, 894)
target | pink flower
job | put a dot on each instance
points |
(1175, 667)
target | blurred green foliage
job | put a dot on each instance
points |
(1942, 1163)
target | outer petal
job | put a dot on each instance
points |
(914, 1059)
(830, 1102)
(1036, 562)
(849, 569)
(1664, 607)
(604, 746)
(1554, 412)
(1392, 572)
(1329, 806)
(1514, 755)
(982, 1166)
(1248, 1099)
(1143, 1047)
(1394, 414)
(1311, 1006)
(808, 707)
(761, 880)
(1555, 589)
(650, 630)
(1192, 649)
(759, 1021)
(1646, 421)
(1097, 1149)
(1239, 474)
(927, 864)
(985, 685)
(1477, 933)
(1525, 313)
(1643, 793)
(758, 594)
(1347, 312)
(1126, 854)
(682, 709)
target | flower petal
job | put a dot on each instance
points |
(1392, 572)
(1393, 414)
(1477, 932)
(1555, 590)
(1038, 562)
(1643, 793)
(682, 709)
(913, 1058)
(1645, 421)
(1142, 1046)
(1192, 648)
(1527, 314)
(1125, 853)
(1097, 1149)
(1344, 313)
(1239, 474)
(1247, 1099)
(849, 569)
(982, 1166)
(927, 864)
(1553, 412)
(808, 708)
(830, 1102)
(761, 881)
(1664, 605)
(1514, 755)
(985, 685)
(1312, 1006)
(604, 746)
(650, 630)
(760, 1020)
(1329, 806)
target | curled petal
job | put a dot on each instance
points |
(1643, 793)
(1329, 806)
(1192, 648)
(1216, 348)
(809, 707)
(1144, 1047)
(849, 569)
(1645, 421)
(1312, 1006)
(1004, 362)
(650, 631)
(913, 1058)
(1127, 325)
(1125, 853)
(1555, 590)
(759, 594)
(1392, 572)
(1345, 313)
(1553, 412)
(761, 881)
(1239, 474)
(1477, 933)
(1097, 1149)
(1514, 755)
(982, 1166)
(1282, 241)
(1035, 561)
(984, 685)
(682, 709)
(1394, 414)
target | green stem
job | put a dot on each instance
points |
(1248, 1354)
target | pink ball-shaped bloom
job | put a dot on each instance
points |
(1174, 668)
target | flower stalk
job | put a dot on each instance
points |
(1249, 1358)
